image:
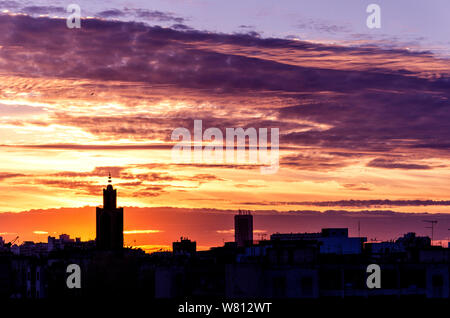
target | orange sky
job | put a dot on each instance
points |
(356, 123)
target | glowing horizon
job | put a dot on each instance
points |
(363, 118)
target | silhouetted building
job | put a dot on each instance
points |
(64, 241)
(332, 240)
(109, 221)
(184, 247)
(408, 242)
(243, 228)
(411, 240)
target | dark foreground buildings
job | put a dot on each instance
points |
(304, 265)
(325, 264)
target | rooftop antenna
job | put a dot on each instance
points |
(432, 223)
(109, 177)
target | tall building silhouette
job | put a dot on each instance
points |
(109, 221)
(243, 228)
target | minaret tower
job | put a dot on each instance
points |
(109, 221)
(109, 195)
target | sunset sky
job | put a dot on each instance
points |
(363, 113)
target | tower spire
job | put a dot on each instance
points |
(109, 220)
(109, 195)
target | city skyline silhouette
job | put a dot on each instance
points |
(233, 150)
(373, 225)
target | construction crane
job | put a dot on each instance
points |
(432, 223)
(8, 245)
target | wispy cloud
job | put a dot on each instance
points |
(141, 231)
(40, 232)
(231, 231)
(356, 203)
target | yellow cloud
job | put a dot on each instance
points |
(141, 231)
